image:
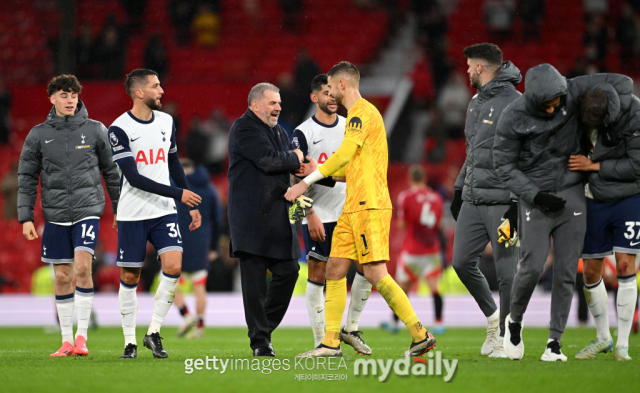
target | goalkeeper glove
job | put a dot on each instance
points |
(298, 210)
(508, 236)
(305, 202)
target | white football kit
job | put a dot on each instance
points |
(149, 143)
(320, 141)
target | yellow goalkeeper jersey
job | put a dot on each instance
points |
(367, 171)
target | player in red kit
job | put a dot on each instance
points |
(419, 212)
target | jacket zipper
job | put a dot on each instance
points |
(66, 146)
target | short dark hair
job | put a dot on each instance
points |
(64, 82)
(416, 173)
(491, 53)
(593, 108)
(346, 68)
(317, 82)
(137, 76)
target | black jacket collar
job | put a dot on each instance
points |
(252, 116)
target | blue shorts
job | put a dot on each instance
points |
(163, 233)
(60, 242)
(317, 250)
(612, 227)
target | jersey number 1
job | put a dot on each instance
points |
(364, 240)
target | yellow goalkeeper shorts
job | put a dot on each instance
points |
(362, 236)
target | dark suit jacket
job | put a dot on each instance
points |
(259, 158)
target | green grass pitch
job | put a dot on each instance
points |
(25, 364)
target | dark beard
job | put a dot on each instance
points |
(475, 83)
(325, 109)
(151, 103)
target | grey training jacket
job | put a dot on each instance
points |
(67, 154)
(478, 180)
(619, 174)
(531, 149)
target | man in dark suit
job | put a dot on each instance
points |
(260, 158)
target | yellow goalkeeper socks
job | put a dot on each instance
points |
(334, 304)
(399, 303)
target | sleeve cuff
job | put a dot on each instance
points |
(122, 155)
(314, 177)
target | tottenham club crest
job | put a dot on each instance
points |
(113, 138)
(82, 136)
(355, 124)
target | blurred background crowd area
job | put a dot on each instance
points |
(210, 52)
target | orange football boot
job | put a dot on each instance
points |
(65, 350)
(81, 346)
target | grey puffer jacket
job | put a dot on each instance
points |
(478, 180)
(67, 154)
(619, 174)
(531, 149)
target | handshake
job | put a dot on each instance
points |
(298, 210)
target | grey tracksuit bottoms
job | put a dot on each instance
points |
(567, 229)
(478, 225)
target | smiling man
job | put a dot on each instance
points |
(260, 158)
(68, 152)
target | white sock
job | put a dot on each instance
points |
(360, 291)
(597, 299)
(626, 304)
(64, 305)
(83, 303)
(164, 299)
(128, 301)
(494, 318)
(315, 307)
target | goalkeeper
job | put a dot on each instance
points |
(318, 137)
(260, 158)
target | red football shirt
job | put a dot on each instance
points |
(421, 209)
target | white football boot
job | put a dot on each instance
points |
(513, 344)
(493, 335)
(597, 346)
(553, 353)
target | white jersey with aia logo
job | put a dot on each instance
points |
(320, 141)
(149, 143)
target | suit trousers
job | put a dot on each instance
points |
(265, 307)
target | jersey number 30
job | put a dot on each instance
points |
(174, 230)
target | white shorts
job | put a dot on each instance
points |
(413, 267)
(197, 277)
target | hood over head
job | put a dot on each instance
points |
(541, 84)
